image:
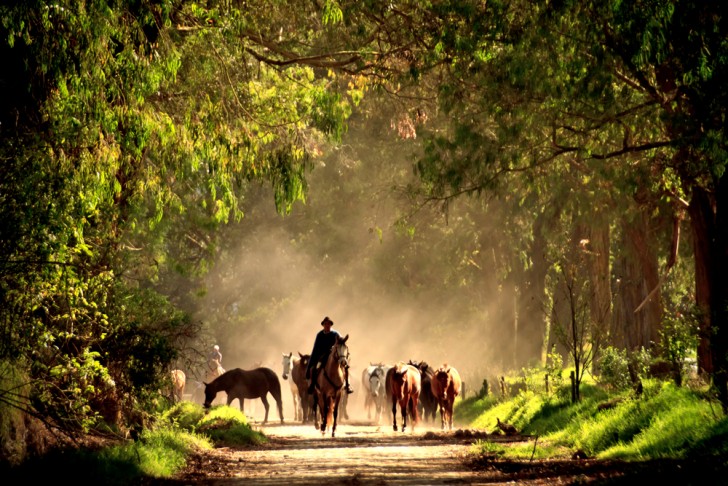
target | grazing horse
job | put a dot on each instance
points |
(375, 394)
(178, 385)
(290, 362)
(330, 383)
(446, 386)
(242, 384)
(305, 399)
(404, 385)
(428, 402)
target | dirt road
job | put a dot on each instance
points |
(360, 454)
(366, 454)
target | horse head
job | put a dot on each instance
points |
(376, 380)
(209, 395)
(443, 377)
(399, 378)
(287, 358)
(340, 351)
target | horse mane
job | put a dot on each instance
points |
(401, 367)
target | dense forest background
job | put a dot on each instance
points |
(478, 183)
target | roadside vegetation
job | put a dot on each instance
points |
(662, 421)
(160, 451)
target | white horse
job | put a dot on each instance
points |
(375, 394)
(289, 361)
(178, 385)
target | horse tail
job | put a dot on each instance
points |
(274, 387)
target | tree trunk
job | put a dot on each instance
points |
(638, 274)
(531, 316)
(709, 220)
(701, 219)
(719, 293)
(599, 273)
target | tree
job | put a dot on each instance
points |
(605, 88)
(129, 134)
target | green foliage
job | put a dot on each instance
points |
(679, 338)
(613, 368)
(667, 422)
(159, 453)
(555, 368)
(184, 415)
(130, 133)
(226, 425)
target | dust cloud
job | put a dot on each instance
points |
(278, 276)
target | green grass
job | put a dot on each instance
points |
(229, 426)
(665, 422)
(159, 452)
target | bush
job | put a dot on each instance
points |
(555, 369)
(614, 368)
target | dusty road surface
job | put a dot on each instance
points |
(361, 453)
(366, 454)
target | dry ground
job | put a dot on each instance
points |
(363, 453)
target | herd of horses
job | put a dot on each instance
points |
(416, 387)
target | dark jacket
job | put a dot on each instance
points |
(321, 348)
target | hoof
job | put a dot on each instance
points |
(395, 428)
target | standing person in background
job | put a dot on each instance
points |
(325, 340)
(216, 355)
(214, 367)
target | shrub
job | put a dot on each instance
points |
(614, 368)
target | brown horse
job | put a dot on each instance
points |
(306, 399)
(428, 402)
(242, 384)
(404, 385)
(330, 383)
(178, 385)
(445, 387)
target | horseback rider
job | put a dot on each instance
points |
(325, 340)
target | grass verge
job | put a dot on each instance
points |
(665, 422)
(159, 452)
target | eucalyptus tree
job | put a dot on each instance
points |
(612, 87)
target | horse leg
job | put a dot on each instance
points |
(394, 413)
(264, 399)
(442, 414)
(296, 405)
(413, 411)
(336, 414)
(403, 407)
(279, 402)
(449, 413)
(314, 411)
(324, 409)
